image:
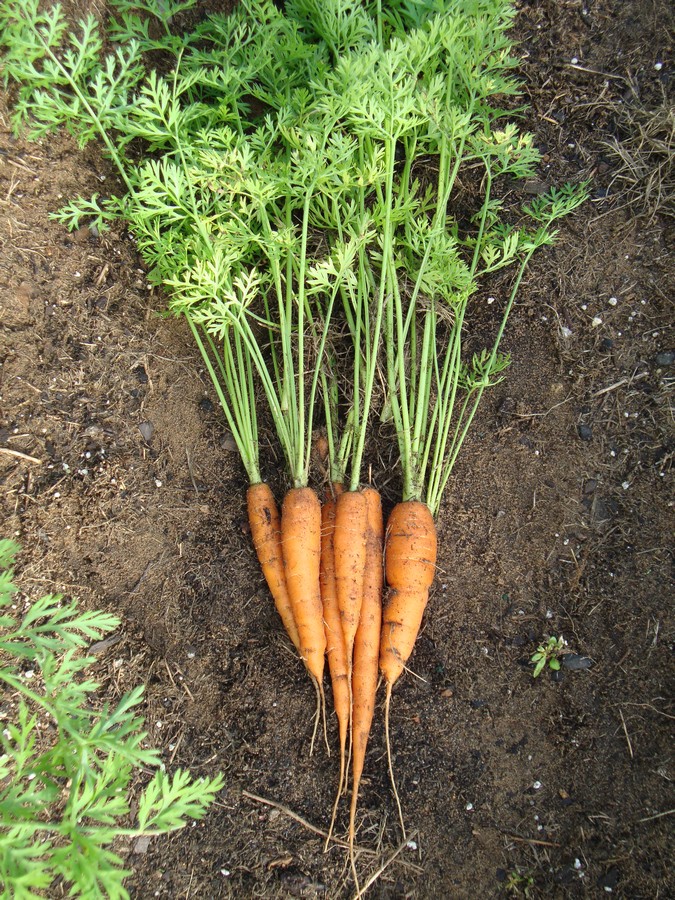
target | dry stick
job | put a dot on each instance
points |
(385, 865)
(625, 731)
(19, 455)
(539, 843)
(660, 815)
(292, 815)
(620, 383)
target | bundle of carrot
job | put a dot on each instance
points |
(297, 202)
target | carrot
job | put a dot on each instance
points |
(410, 565)
(301, 550)
(366, 651)
(265, 523)
(335, 642)
(350, 562)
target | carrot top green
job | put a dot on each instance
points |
(297, 184)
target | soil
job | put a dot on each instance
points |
(557, 521)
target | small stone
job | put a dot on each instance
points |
(147, 429)
(141, 844)
(606, 344)
(665, 358)
(576, 662)
(228, 443)
(590, 485)
(585, 432)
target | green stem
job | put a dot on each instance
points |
(237, 424)
(443, 472)
(105, 137)
(373, 343)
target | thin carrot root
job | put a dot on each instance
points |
(320, 714)
(352, 863)
(342, 781)
(389, 760)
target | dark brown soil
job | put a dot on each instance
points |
(558, 521)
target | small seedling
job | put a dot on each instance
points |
(518, 883)
(548, 654)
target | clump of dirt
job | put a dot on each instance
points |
(121, 482)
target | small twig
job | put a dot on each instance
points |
(536, 841)
(625, 731)
(653, 708)
(618, 384)
(102, 275)
(292, 815)
(175, 748)
(19, 455)
(192, 477)
(385, 865)
(660, 815)
(595, 72)
(13, 162)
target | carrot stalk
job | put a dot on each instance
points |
(366, 652)
(335, 642)
(265, 523)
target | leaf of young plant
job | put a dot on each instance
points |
(168, 802)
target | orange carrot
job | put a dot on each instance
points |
(265, 523)
(335, 642)
(366, 651)
(301, 550)
(410, 565)
(350, 562)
